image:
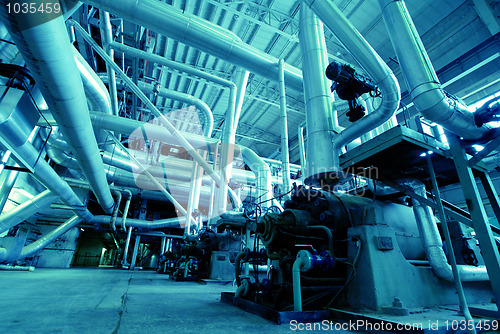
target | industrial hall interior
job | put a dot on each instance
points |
(247, 166)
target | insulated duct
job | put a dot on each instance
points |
(45, 47)
(433, 245)
(263, 176)
(366, 56)
(162, 223)
(201, 34)
(178, 96)
(423, 84)
(320, 118)
(45, 240)
(25, 210)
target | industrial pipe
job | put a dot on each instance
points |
(128, 199)
(367, 57)
(45, 240)
(320, 118)
(229, 132)
(107, 38)
(423, 84)
(156, 224)
(178, 96)
(433, 245)
(43, 172)
(184, 143)
(285, 155)
(26, 209)
(46, 49)
(118, 199)
(201, 34)
(262, 175)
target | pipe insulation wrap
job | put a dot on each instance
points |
(420, 77)
(371, 62)
(47, 52)
(201, 34)
(433, 245)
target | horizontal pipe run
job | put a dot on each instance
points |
(201, 34)
(156, 224)
(178, 96)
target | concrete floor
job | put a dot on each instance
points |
(114, 302)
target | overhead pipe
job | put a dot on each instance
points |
(46, 50)
(229, 131)
(177, 180)
(201, 34)
(367, 57)
(26, 209)
(178, 96)
(433, 245)
(263, 176)
(107, 37)
(423, 84)
(175, 133)
(285, 155)
(154, 132)
(320, 117)
(42, 172)
(302, 151)
(96, 93)
(138, 223)
(241, 81)
(50, 237)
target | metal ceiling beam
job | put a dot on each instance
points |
(487, 16)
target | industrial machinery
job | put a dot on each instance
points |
(205, 256)
(338, 250)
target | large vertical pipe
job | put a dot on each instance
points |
(45, 46)
(107, 36)
(366, 56)
(285, 155)
(318, 98)
(302, 151)
(241, 81)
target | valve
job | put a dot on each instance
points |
(349, 86)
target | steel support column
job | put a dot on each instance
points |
(136, 249)
(451, 255)
(478, 215)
